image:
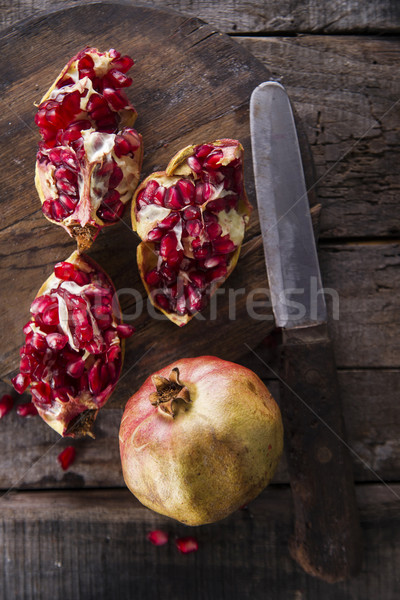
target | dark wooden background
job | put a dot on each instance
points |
(80, 534)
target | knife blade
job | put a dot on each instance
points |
(326, 540)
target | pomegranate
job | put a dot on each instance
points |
(89, 159)
(201, 438)
(191, 218)
(73, 350)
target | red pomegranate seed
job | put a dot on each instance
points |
(64, 270)
(223, 245)
(71, 103)
(180, 307)
(27, 364)
(213, 230)
(94, 378)
(125, 330)
(168, 244)
(6, 404)
(20, 382)
(28, 409)
(217, 205)
(118, 79)
(186, 190)
(202, 252)
(187, 544)
(102, 316)
(56, 341)
(41, 392)
(38, 341)
(155, 234)
(66, 457)
(217, 273)
(150, 191)
(162, 301)
(50, 316)
(122, 63)
(122, 146)
(214, 261)
(47, 209)
(168, 274)
(170, 221)
(174, 258)
(203, 150)
(159, 196)
(213, 160)
(191, 212)
(116, 177)
(58, 211)
(193, 228)
(194, 164)
(194, 299)
(152, 278)
(208, 191)
(198, 278)
(115, 98)
(172, 199)
(158, 537)
(75, 369)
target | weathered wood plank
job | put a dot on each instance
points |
(234, 16)
(92, 544)
(346, 91)
(29, 448)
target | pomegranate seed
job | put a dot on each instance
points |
(213, 230)
(122, 146)
(203, 150)
(198, 278)
(217, 273)
(216, 205)
(150, 191)
(118, 79)
(214, 261)
(193, 228)
(28, 409)
(41, 303)
(69, 202)
(170, 221)
(194, 299)
(115, 98)
(6, 404)
(162, 301)
(159, 196)
(173, 199)
(102, 316)
(168, 244)
(213, 160)
(58, 211)
(113, 353)
(94, 378)
(186, 190)
(20, 382)
(68, 158)
(152, 278)
(47, 209)
(41, 392)
(66, 457)
(50, 315)
(155, 234)
(71, 103)
(201, 252)
(76, 369)
(187, 544)
(180, 307)
(169, 275)
(85, 63)
(95, 347)
(27, 364)
(223, 245)
(174, 258)
(38, 341)
(123, 63)
(56, 341)
(116, 177)
(125, 330)
(194, 164)
(64, 270)
(191, 212)
(158, 537)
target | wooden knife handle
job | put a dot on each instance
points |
(327, 537)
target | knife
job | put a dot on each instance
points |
(326, 541)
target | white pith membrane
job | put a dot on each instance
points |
(89, 161)
(69, 383)
(192, 219)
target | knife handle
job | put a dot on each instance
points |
(327, 536)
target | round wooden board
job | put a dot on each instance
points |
(191, 84)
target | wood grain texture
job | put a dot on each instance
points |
(55, 547)
(346, 91)
(234, 16)
(29, 448)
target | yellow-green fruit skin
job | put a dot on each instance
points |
(218, 452)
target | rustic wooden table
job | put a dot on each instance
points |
(80, 534)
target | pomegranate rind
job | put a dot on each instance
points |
(218, 452)
(146, 256)
(87, 409)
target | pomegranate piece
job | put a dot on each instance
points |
(72, 356)
(6, 404)
(66, 457)
(89, 160)
(192, 219)
(187, 544)
(158, 537)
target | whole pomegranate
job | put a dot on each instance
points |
(73, 351)
(199, 439)
(89, 159)
(191, 218)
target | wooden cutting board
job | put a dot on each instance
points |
(191, 84)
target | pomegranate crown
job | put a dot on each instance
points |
(170, 393)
